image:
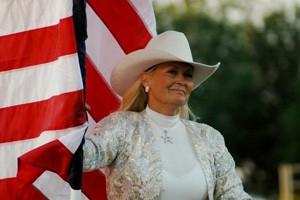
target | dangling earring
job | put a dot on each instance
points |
(147, 88)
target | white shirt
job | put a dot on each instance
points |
(182, 175)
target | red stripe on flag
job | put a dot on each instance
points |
(94, 185)
(27, 121)
(53, 156)
(99, 96)
(9, 189)
(37, 46)
(123, 22)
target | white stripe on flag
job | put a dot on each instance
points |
(23, 15)
(73, 139)
(100, 37)
(49, 182)
(40, 82)
(145, 10)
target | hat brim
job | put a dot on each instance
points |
(126, 72)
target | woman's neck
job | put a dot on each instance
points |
(160, 119)
(168, 110)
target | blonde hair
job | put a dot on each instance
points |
(136, 99)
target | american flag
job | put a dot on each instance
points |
(42, 108)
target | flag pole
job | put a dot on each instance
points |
(75, 195)
(80, 27)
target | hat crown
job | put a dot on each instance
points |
(172, 42)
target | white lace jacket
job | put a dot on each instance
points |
(124, 142)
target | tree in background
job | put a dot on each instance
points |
(254, 97)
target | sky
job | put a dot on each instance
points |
(253, 9)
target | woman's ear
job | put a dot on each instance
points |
(144, 78)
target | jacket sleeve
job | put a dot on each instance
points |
(102, 145)
(228, 185)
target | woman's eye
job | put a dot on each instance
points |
(173, 72)
(188, 75)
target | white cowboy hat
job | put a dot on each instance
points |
(165, 47)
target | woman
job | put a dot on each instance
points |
(151, 149)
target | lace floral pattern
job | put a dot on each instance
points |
(124, 142)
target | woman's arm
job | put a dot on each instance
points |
(228, 184)
(102, 146)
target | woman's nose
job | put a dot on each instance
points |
(181, 78)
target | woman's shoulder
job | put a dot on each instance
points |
(120, 117)
(205, 131)
(123, 114)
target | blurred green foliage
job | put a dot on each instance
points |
(254, 97)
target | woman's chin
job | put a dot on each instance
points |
(180, 99)
(180, 102)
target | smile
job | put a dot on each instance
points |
(178, 90)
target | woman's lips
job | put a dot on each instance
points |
(178, 90)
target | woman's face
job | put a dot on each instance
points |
(170, 85)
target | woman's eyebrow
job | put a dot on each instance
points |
(191, 69)
(171, 67)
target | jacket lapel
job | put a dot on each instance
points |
(151, 150)
(204, 156)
